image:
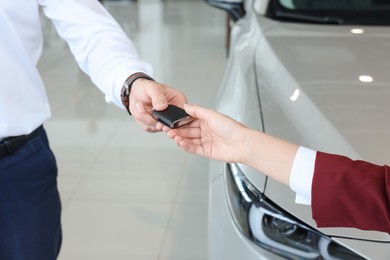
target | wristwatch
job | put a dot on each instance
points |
(126, 87)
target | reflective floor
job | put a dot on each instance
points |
(128, 194)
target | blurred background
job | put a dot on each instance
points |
(128, 194)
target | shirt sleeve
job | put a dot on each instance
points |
(301, 175)
(100, 46)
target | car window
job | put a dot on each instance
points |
(334, 4)
(362, 12)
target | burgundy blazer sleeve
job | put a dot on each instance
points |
(347, 193)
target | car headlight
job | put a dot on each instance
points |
(274, 229)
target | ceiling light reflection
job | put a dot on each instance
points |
(366, 78)
(357, 31)
(295, 95)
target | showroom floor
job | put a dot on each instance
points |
(128, 194)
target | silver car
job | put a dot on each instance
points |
(316, 73)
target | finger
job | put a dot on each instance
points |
(175, 97)
(177, 140)
(190, 147)
(157, 96)
(189, 133)
(145, 127)
(183, 144)
(160, 126)
(172, 133)
(145, 120)
(143, 116)
(189, 142)
(193, 124)
(195, 142)
(196, 111)
(166, 129)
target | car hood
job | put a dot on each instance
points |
(333, 88)
(345, 78)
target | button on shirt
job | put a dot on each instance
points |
(100, 47)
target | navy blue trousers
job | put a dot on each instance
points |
(30, 207)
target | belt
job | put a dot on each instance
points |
(9, 145)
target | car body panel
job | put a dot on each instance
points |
(242, 103)
(324, 63)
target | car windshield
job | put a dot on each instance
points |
(357, 12)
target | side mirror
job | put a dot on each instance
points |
(235, 8)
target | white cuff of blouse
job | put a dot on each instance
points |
(301, 175)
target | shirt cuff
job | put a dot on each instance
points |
(301, 175)
(123, 74)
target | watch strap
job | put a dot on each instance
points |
(125, 91)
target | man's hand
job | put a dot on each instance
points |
(146, 95)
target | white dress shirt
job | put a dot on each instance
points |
(100, 47)
(301, 175)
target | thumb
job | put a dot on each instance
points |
(196, 111)
(159, 101)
